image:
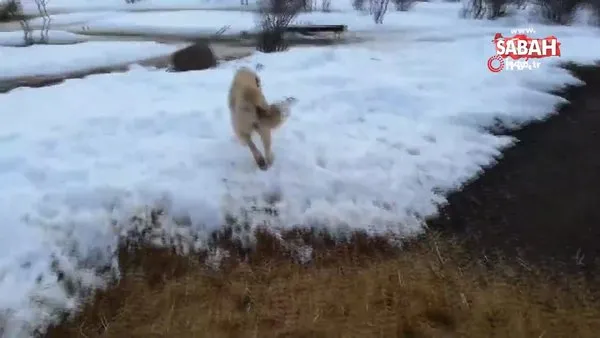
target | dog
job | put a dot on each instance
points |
(250, 112)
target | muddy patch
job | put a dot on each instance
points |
(222, 53)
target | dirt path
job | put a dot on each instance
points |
(542, 200)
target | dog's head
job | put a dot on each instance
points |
(247, 74)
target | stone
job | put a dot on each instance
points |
(198, 56)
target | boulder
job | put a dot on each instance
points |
(198, 56)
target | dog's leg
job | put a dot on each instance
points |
(265, 136)
(258, 157)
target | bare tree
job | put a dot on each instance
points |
(521, 4)
(595, 5)
(358, 5)
(490, 9)
(311, 5)
(403, 5)
(42, 6)
(558, 11)
(378, 8)
(9, 10)
(27, 32)
(14, 11)
(497, 8)
(473, 9)
(17, 13)
(274, 17)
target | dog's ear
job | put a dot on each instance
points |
(257, 81)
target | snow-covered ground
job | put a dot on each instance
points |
(56, 59)
(55, 37)
(193, 23)
(93, 5)
(200, 22)
(207, 22)
(379, 133)
(73, 18)
(146, 5)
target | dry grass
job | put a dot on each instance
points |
(362, 288)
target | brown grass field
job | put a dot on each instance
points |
(361, 288)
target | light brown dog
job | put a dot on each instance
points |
(250, 112)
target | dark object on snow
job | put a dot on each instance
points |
(316, 28)
(310, 30)
(198, 56)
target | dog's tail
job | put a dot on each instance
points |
(278, 113)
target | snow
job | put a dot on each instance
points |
(193, 23)
(55, 6)
(93, 5)
(173, 23)
(56, 37)
(380, 132)
(72, 18)
(57, 60)
(206, 22)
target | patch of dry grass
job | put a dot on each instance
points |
(361, 288)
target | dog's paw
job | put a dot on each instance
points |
(262, 163)
(270, 159)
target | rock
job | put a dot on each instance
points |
(198, 56)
